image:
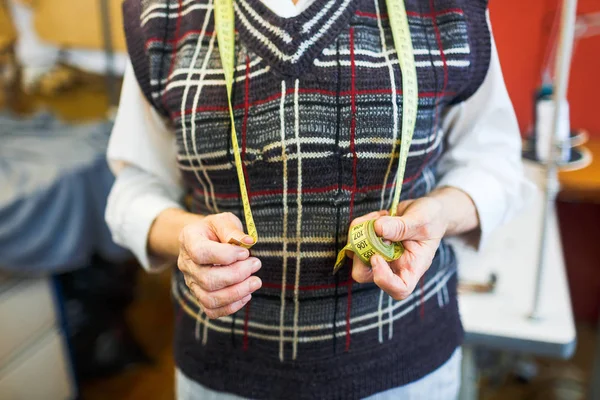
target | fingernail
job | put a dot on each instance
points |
(248, 239)
(379, 224)
(246, 299)
(256, 264)
(375, 262)
(386, 227)
(254, 284)
(242, 253)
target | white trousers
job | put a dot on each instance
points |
(441, 384)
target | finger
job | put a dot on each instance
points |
(219, 277)
(227, 227)
(204, 252)
(186, 265)
(398, 286)
(228, 295)
(188, 280)
(228, 309)
(402, 228)
(403, 206)
(417, 257)
(361, 272)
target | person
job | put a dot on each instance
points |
(317, 100)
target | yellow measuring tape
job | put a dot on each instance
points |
(362, 239)
(224, 20)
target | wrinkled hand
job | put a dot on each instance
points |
(218, 274)
(420, 227)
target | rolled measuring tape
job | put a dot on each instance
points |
(364, 243)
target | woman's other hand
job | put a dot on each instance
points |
(420, 226)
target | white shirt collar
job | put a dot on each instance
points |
(287, 8)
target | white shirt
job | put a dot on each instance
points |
(482, 157)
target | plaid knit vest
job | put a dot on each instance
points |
(318, 106)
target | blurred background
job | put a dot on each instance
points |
(79, 318)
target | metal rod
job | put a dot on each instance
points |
(113, 96)
(469, 377)
(561, 67)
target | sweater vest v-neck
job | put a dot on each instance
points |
(318, 109)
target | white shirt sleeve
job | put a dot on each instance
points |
(142, 155)
(483, 153)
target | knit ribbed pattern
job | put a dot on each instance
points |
(318, 109)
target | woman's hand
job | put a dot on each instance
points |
(217, 273)
(420, 226)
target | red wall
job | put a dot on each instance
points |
(522, 29)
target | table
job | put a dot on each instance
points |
(501, 319)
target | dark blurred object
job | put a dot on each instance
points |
(580, 229)
(95, 300)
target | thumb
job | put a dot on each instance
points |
(229, 229)
(395, 229)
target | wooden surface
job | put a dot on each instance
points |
(583, 184)
(88, 101)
